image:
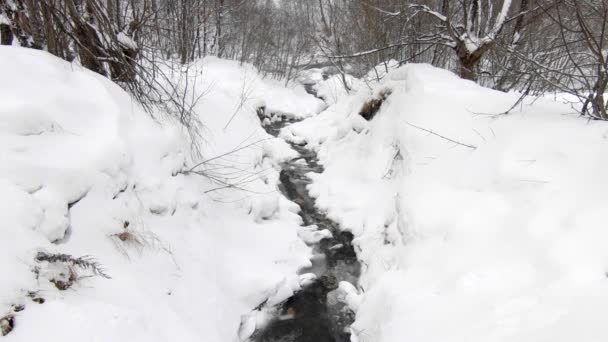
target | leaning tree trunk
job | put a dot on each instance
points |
(35, 24)
(468, 68)
(89, 44)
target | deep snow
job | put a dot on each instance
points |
(81, 164)
(498, 237)
(504, 240)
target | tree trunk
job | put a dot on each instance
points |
(468, 68)
(219, 13)
(36, 29)
(469, 61)
(183, 34)
(6, 35)
(205, 32)
(598, 103)
(52, 37)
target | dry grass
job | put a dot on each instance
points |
(67, 269)
(131, 239)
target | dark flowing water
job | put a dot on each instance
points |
(316, 313)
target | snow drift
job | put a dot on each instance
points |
(470, 226)
(85, 172)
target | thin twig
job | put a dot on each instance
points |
(442, 137)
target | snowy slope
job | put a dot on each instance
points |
(83, 171)
(500, 240)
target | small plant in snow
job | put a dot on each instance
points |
(63, 270)
(131, 238)
(127, 238)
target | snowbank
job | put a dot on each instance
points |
(83, 171)
(491, 228)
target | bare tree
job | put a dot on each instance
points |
(471, 28)
(584, 37)
(571, 56)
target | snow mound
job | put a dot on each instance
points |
(85, 172)
(473, 227)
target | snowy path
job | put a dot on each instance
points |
(318, 312)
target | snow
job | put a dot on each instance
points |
(310, 76)
(472, 43)
(81, 164)
(332, 89)
(380, 71)
(4, 20)
(502, 242)
(127, 41)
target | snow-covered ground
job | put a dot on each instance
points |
(491, 228)
(85, 172)
(469, 226)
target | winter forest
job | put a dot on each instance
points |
(303, 170)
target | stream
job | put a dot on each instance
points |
(316, 313)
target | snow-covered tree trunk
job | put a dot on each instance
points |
(90, 49)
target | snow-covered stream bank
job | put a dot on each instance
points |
(469, 226)
(186, 259)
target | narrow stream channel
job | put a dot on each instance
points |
(317, 313)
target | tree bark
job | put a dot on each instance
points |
(89, 45)
(6, 35)
(35, 23)
(469, 61)
(469, 65)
